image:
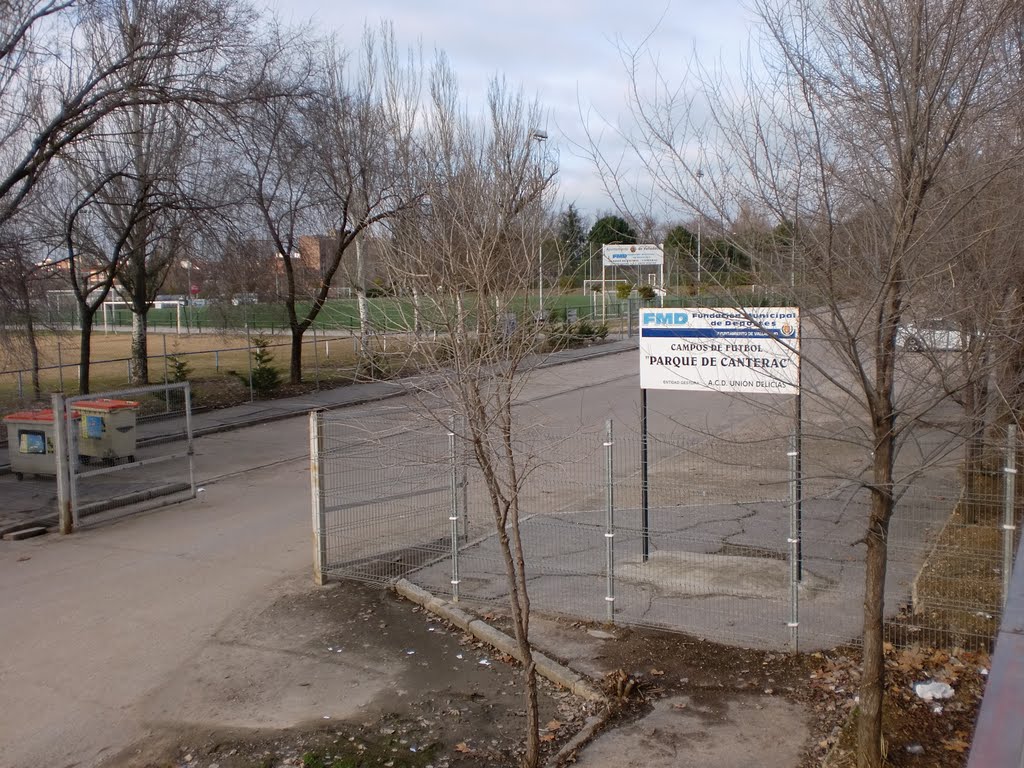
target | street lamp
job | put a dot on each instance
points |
(536, 134)
(700, 175)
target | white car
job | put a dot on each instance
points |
(930, 337)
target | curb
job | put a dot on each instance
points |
(546, 667)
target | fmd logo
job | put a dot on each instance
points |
(665, 318)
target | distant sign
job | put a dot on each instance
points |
(194, 290)
(633, 255)
(754, 349)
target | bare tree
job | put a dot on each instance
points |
(337, 160)
(20, 299)
(867, 135)
(466, 248)
(147, 168)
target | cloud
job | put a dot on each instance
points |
(566, 53)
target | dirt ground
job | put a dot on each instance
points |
(457, 702)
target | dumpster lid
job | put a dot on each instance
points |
(106, 404)
(44, 415)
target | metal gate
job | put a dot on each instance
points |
(131, 449)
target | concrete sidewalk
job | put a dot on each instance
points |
(35, 501)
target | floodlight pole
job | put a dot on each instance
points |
(538, 135)
(700, 217)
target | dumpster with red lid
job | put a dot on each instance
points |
(107, 429)
(30, 442)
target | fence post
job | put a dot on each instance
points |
(21, 386)
(316, 360)
(1009, 501)
(167, 392)
(60, 451)
(316, 473)
(248, 345)
(216, 360)
(609, 533)
(464, 483)
(794, 545)
(187, 390)
(453, 518)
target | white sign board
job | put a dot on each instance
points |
(633, 255)
(755, 349)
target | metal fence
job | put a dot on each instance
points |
(219, 369)
(731, 548)
(106, 459)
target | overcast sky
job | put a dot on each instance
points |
(564, 52)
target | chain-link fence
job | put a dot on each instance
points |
(733, 545)
(220, 369)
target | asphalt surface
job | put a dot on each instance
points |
(101, 628)
(34, 500)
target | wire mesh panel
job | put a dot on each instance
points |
(729, 546)
(385, 494)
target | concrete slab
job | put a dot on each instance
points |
(737, 732)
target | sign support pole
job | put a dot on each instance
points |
(645, 532)
(799, 464)
(604, 298)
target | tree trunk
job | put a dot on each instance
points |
(361, 302)
(85, 349)
(872, 687)
(295, 366)
(140, 350)
(417, 312)
(33, 347)
(520, 629)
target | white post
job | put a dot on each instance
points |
(60, 452)
(1009, 501)
(178, 313)
(603, 286)
(794, 545)
(609, 531)
(453, 476)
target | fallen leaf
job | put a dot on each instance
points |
(679, 705)
(554, 725)
(463, 747)
(547, 737)
(956, 745)
(657, 672)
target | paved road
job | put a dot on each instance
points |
(98, 626)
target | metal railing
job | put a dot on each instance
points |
(998, 736)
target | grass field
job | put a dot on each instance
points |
(209, 356)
